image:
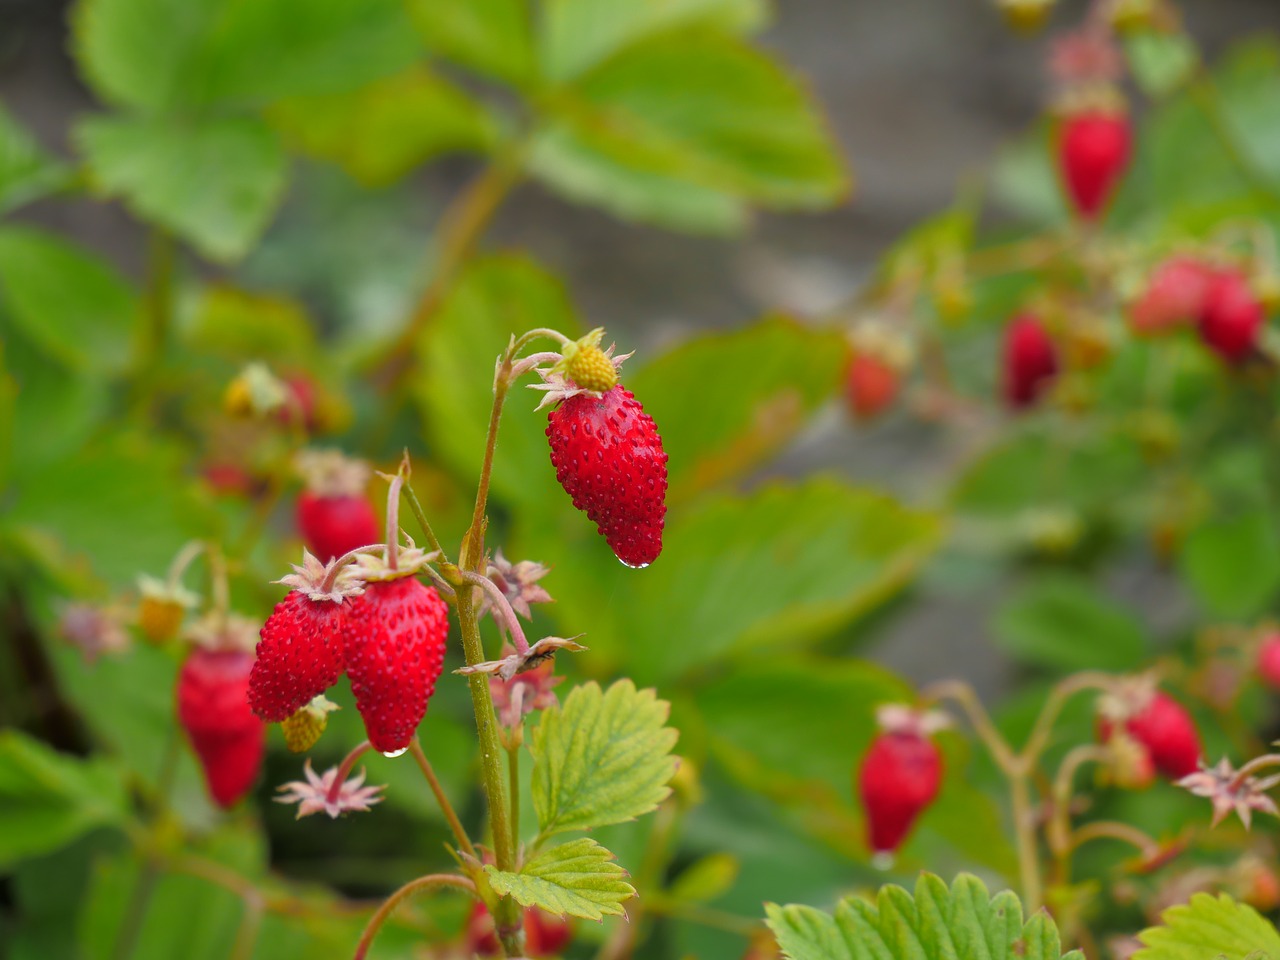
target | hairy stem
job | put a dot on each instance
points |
(1059, 829)
(255, 909)
(344, 769)
(415, 507)
(459, 832)
(1025, 830)
(431, 882)
(501, 607)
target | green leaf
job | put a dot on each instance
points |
(593, 170)
(1210, 926)
(26, 172)
(49, 799)
(712, 111)
(603, 757)
(215, 183)
(578, 34)
(382, 131)
(72, 305)
(245, 53)
(578, 878)
(935, 924)
(1161, 62)
(1064, 623)
(239, 326)
(1233, 565)
(491, 37)
(496, 297)
(705, 879)
(764, 382)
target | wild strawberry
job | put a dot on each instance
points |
(609, 459)
(394, 653)
(1093, 152)
(587, 366)
(899, 777)
(1157, 722)
(302, 730)
(545, 935)
(161, 608)
(213, 708)
(1030, 361)
(301, 651)
(870, 385)
(333, 514)
(1232, 317)
(1175, 295)
(301, 404)
(1268, 659)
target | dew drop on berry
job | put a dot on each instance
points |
(882, 860)
(392, 754)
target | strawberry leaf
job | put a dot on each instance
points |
(1210, 927)
(604, 757)
(578, 878)
(935, 923)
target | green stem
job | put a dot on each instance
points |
(513, 775)
(1025, 830)
(433, 881)
(459, 832)
(250, 924)
(415, 507)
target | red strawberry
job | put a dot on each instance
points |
(300, 653)
(302, 403)
(331, 526)
(394, 654)
(1175, 295)
(545, 935)
(899, 778)
(1164, 727)
(1030, 361)
(871, 385)
(1232, 317)
(609, 459)
(1093, 152)
(1268, 659)
(213, 708)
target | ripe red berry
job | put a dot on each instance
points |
(871, 384)
(1174, 296)
(545, 935)
(1164, 727)
(300, 653)
(1093, 152)
(395, 643)
(331, 526)
(1268, 659)
(213, 708)
(609, 459)
(899, 778)
(1232, 317)
(1030, 361)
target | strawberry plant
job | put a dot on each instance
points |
(364, 596)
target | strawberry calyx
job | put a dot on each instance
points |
(904, 719)
(334, 581)
(578, 359)
(876, 338)
(409, 561)
(223, 632)
(517, 663)
(1127, 698)
(331, 473)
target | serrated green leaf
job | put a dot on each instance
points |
(576, 35)
(26, 171)
(578, 879)
(491, 37)
(707, 109)
(384, 130)
(1233, 566)
(1210, 926)
(936, 924)
(496, 297)
(764, 382)
(603, 757)
(50, 799)
(583, 169)
(1062, 622)
(75, 307)
(241, 53)
(215, 183)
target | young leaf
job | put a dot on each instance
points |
(578, 878)
(214, 182)
(935, 924)
(49, 798)
(1210, 927)
(603, 757)
(70, 304)
(491, 37)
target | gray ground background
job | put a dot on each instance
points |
(919, 92)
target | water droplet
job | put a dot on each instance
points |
(392, 754)
(633, 566)
(883, 860)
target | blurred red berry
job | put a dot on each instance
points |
(1093, 152)
(1166, 729)
(1030, 361)
(1232, 317)
(545, 935)
(1268, 659)
(333, 525)
(213, 708)
(1174, 296)
(898, 780)
(871, 385)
